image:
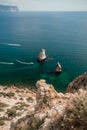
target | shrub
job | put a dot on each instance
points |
(1, 110)
(3, 104)
(29, 99)
(11, 112)
(1, 122)
(20, 106)
(45, 100)
(10, 94)
(21, 98)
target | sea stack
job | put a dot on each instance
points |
(42, 55)
(58, 68)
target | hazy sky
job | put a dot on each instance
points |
(48, 5)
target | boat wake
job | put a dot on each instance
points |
(7, 63)
(26, 63)
(9, 44)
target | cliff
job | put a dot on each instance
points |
(45, 109)
(5, 8)
(56, 111)
(78, 83)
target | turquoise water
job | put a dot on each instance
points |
(23, 34)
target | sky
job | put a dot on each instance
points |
(48, 5)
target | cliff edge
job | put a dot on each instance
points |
(78, 83)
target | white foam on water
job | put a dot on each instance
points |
(9, 44)
(7, 63)
(27, 63)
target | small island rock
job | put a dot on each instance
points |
(58, 68)
(42, 55)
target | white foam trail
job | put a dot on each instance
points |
(9, 44)
(27, 63)
(7, 63)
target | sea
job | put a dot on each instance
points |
(23, 34)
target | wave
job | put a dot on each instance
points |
(27, 63)
(7, 63)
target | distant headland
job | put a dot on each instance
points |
(8, 8)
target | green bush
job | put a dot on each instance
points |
(10, 94)
(11, 112)
(3, 104)
(20, 106)
(1, 122)
(29, 99)
(45, 99)
(1, 109)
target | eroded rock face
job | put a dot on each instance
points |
(78, 83)
(49, 106)
(52, 109)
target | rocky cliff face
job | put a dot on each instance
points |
(51, 110)
(4, 8)
(78, 83)
(49, 106)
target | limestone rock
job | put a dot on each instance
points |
(42, 55)
(78, 83)
(50, 110)
(49, 106)
(58, 68)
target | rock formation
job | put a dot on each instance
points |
(78, 83)
(42, 55)
(55, 111)
(58, 68)
(8, 8)
(49, 106)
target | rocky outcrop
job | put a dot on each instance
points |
(56, 111)
(78, 83)
(8, 8)
(58, 68)
(42, 55)
(49, 106)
